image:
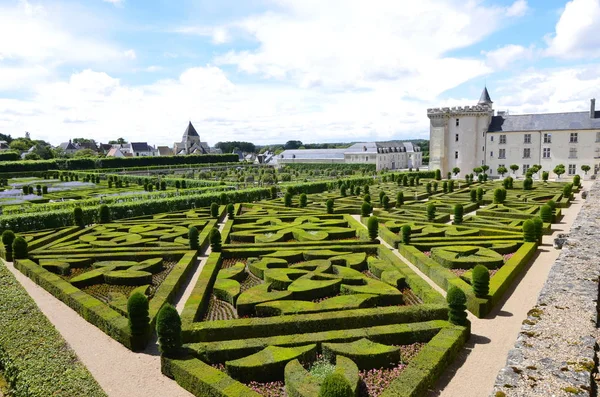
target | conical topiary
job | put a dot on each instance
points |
(481, 281)
(457, 303)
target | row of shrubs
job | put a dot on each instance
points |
(113, 162)
(35, 359)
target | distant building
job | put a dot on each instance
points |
(4, 145)
(164, 151)
(142, 149)
(115, 152)
(69, 147)
(471, 136)
(190, 143)
(393, 155)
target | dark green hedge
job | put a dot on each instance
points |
(114, 162)
(36, 360)
(202, 380)
(426, 368)
(9, 156)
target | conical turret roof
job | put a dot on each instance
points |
(190, 131)
(485, 98)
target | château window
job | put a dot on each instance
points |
(457, 122)
(572, 169)
(491, 138)
(526, 153)
(573, 137)
(455, 155)
(492, 153)
(502, 139)
(456, 138)
(502, 153)
(546, 153)
(525, 168)
(527, 138)
(573, 153)
(548, 139)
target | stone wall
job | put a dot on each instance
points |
(555, 352)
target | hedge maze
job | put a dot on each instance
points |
(298, 296)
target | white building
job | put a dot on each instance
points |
(471, 136)
(391, 155)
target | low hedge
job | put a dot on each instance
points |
(426, 368)
(35, 359)
(393, 334)
(314, 322)
(202, 380)
(365, 353)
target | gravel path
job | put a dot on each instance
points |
(474, 371)
(119, 371)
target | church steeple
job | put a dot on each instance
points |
(485, 98)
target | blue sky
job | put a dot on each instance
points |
(268, 71)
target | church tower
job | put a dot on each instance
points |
(457, 136)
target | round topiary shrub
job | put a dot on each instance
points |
(499, 195)
(303, 200)
(577, 180)
(355, 191)
(438, 175)
(373, 227)
(481, 281)
(19, 248)
(365, 209)
(366, 189)
(367, 198)
(445, 187)
(103, 214)
(567, 191)
(193, 238)
(78, 217)
(529, 231)
(406, 231)
(399, 199)
(287, 199)
(168, 329)
(539, 228)
(329, 204)
(546, 213)
(473, 194)
(335, 385)
(139, 318)
(273, 192)
(381, 194)
(480, 194)
(457, 304)
(430, 212)
(458, 214)
(230, 211)
(528, 183)
(215, 240)
(343, 191)
(214, 210)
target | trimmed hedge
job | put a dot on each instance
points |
(36, 360)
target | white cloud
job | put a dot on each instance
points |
(500, 58)
(549, 90)
(130, 54)
(353, 44)
(115, 2)
(29, 35)
(576, 34)
(517, 9)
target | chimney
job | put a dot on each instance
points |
(592, 108)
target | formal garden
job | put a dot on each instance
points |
(306, 284)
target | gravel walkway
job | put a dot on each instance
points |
(474, 371)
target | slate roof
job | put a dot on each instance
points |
(315, 154)
(545, 122)
(189, 131)
(164, 150)
(68, 146)
(141, 147)
(485, 97)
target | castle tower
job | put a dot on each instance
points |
(190, 137)
(457, 136)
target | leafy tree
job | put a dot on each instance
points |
(85, 153)
(484, 168)
(290, 145)
(545, 175)
(455, 170)
(502, 170)
(228, 147)
(559, 170)
(119, 141)
(32, 156)
(514, 168)
(477, 170)
(585, 168)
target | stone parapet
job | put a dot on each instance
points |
(555, 353)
